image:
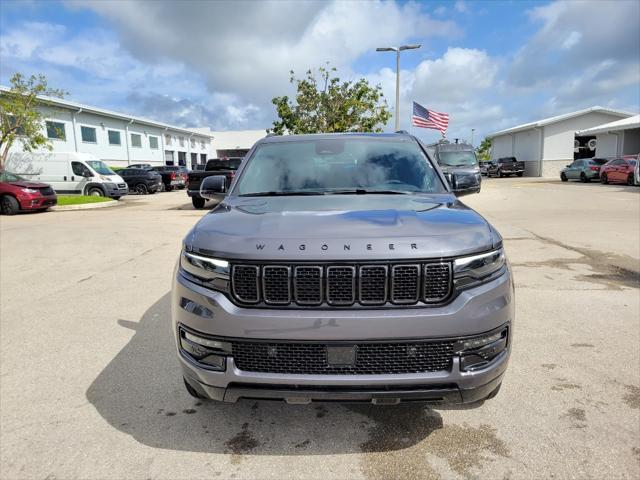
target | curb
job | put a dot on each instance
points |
(83, 206)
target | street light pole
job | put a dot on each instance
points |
(472, 132)
(397, 50)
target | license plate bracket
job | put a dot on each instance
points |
(344, 355)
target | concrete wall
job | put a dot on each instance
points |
(607, 145)
(501, 147)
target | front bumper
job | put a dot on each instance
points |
(474, 311)
(37, 202)
(115, 189)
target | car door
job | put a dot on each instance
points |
(573, 171)
(614, 172)
(80, 175)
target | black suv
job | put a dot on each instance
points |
(141, 180)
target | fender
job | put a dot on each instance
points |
(91, 185)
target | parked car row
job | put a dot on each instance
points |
(617, 170)
(502, 167)
(31, 180)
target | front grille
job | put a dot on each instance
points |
(46, 191)
(370, 358)
(341, 285)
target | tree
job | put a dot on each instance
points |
(331, 106)
(20, 118)
(484, 149)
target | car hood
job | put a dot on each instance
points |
(464, 169)
(28, 184)
(341, 227)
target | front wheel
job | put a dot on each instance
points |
(198, 202)
(494, 392)
(519, 174)
(9, 205)
(563, 177)
(630, 179)
(95, 192)
(604, 179)
(583, 178)
(116, 198)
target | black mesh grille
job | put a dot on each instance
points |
(308, 285)
(46, 191)
(436, 281)
(340, 285)
(405, 283)
(373, 284)
(275, 281)
(245, 283)
(370, 358)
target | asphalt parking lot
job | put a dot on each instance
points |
(90, 386)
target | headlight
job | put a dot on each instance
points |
(477, 269)
(105, 179)
(211, 272)
(30, 190)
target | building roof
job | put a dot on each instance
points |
(618, 125)
(121, 116)
(560, 118)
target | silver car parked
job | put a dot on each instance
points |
(342, 267)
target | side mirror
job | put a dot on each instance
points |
(213, 187)
(463, 185)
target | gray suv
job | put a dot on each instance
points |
(342, 267)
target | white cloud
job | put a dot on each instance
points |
(572, 40)
(461, 6)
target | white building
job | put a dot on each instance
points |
(614, 139)
(547, 145)
(120, 139)
(233, 143)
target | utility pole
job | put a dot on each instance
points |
(397, 50)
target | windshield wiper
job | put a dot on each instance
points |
(282, 194)
(363, 191)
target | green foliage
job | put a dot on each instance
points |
(331, 106)
(80, 199)
(20, 118)
(484, 150)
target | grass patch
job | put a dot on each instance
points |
(79, 199)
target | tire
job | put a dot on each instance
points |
(604, 179)
(192, 391)
(141, 189)
(630, 181)
(494, 392)
(563, 177)
(95, 192)
(9, 205)
(520, 174)
(116, 198)
(198, 202)
(168, 188)
(583, 178)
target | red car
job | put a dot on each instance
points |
(619, 170)
(18, 194)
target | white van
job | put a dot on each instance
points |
(71, 172)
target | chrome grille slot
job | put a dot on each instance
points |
(307, 285)
(341, 285)
(373, 284)
(276, 284)
(405, 283)
(245, 283)
(437, 281)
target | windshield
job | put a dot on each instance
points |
(10, 177)
(457, 158)
(100, 167)
(340, 165)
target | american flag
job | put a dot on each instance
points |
(425, 118)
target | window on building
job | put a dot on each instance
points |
(203, 158)
(12, 123)
(88, 134)
(114, 137)
(153, 143)
(136, 140)
(193, 143)
(202, 144)
(55, 130)
(182, 141)
(167, 139)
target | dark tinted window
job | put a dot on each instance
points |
(114, 137)
(78, 168)
(597, 161)
(339, 164)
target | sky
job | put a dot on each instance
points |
(489, 64)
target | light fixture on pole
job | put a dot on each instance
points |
(397, 50)
(472, 132)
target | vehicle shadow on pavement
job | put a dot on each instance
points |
(140, 392)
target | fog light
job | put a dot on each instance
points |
(207, 342)
(478, 352)
(215, 361)
(207, 352)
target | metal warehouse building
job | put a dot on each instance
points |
(614, 139)
(547, 145)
